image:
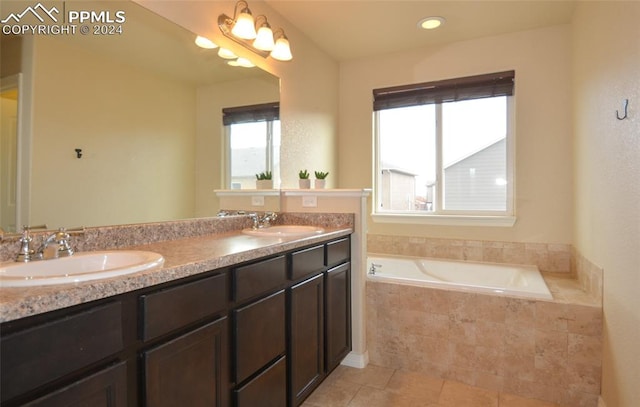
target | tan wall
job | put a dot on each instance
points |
(606, 70)
(159, 134)
(309, 84)
(541, 59)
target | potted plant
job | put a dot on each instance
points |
(264, 181)
(320, 181)
(304, 181)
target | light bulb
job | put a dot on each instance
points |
(243, 27)
(264, 40)
(281, 50)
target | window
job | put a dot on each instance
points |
(445, 148)
(253, 143)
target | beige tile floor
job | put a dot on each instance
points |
(376, 386)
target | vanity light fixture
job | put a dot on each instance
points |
(255, 35)
(243, 23)
(281, 50)
(264, 38)
(430, 23)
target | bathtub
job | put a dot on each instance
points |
(505, 279)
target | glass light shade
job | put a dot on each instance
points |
(205, 43)
(264, 40)
(281, 50)
(226, 54)
(245, 63)
(243, 28)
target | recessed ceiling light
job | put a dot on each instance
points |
(429, 23)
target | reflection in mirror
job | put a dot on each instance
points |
(9, 91)
(145, 110)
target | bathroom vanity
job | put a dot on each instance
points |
(259, 332)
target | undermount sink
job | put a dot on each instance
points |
(80, 267)
(284, 231)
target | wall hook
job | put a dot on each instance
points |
(79, 152)
(626, 104)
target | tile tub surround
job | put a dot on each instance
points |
(189, 248)
(547, 350)
(548, 257)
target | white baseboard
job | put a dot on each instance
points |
(601, 402)
(358, 360)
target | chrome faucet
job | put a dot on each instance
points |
(263, 221)
(58, 239)
(61, 239)
(374, 267)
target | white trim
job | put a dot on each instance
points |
(357, 360)
(246, 192)
(332, 192)
(294, 192)
(447, 220)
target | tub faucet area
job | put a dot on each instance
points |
(374, 267)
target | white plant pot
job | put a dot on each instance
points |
(304, 183)
(319, 183)
(264, 184)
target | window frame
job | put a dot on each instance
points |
(266, 112)
(441, 216)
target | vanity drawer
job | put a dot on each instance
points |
(268, 389)
(338, 252)
(258, 278)
(175, 307)
(306, 262)
(259, 334)
(41, 354)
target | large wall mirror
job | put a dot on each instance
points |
(116, 129)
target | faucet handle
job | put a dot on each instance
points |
(62, 239)
(25, 254)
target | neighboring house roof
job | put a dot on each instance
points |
(464, 158)
(399, 171)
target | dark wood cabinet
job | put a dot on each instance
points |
(262, 333)
(259, 335)
(190, 370)
(338, 314)
(46, 352)
(107, 388)
(306, 343)
(267, 389)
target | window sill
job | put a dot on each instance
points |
(445, 220)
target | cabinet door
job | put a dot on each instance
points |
(190, 370)
(306, 353)
(338, 315)
(107, 388)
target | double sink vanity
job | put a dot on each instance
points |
(223, 317)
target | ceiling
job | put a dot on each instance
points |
(360, 28)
